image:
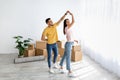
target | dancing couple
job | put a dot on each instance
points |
(52, 37)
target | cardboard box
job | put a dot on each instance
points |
(76, 56)
(44, 52)
(29, 53)
(58, 58)
(41, 44)
(76, 48)
(31, 47)
(41, 52)
(61, 44)
(61, 51)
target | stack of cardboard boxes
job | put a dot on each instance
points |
(30, 51)
(76, 53)
(61, 49)
(41, 48)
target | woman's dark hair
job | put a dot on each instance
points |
(64, 25)
(47, 20)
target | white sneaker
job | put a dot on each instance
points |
(61, 71)
(71, 75)
(55, 66)
(51, 71)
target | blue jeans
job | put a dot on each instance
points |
(50, 48)
(67, 55)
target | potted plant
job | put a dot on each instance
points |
(22, 44)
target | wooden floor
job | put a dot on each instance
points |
(86, 69)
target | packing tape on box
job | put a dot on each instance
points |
(29, 59)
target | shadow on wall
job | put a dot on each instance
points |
(108, 63)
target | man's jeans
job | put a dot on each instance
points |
(67, 55)
(50, 48)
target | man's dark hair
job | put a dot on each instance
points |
(47, 20)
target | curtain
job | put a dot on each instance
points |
(100, 32)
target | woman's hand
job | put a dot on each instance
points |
(70, 13)
(67, 12)
(76, 41)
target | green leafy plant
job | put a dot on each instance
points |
(22, 44)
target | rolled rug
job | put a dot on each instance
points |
(29, 59)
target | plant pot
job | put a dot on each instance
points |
(20, 56)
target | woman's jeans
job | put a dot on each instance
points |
(67, 55)
(50, 48)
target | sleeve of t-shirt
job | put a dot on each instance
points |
(56, 24)
(45, 32)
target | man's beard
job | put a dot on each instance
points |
(51, 24)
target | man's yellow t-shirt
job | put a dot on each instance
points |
(51, 33)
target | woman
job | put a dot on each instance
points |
(68, 45)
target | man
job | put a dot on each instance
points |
(52, 37)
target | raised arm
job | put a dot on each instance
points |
(72, 20)
(62, 18)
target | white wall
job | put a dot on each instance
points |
(27, 18)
